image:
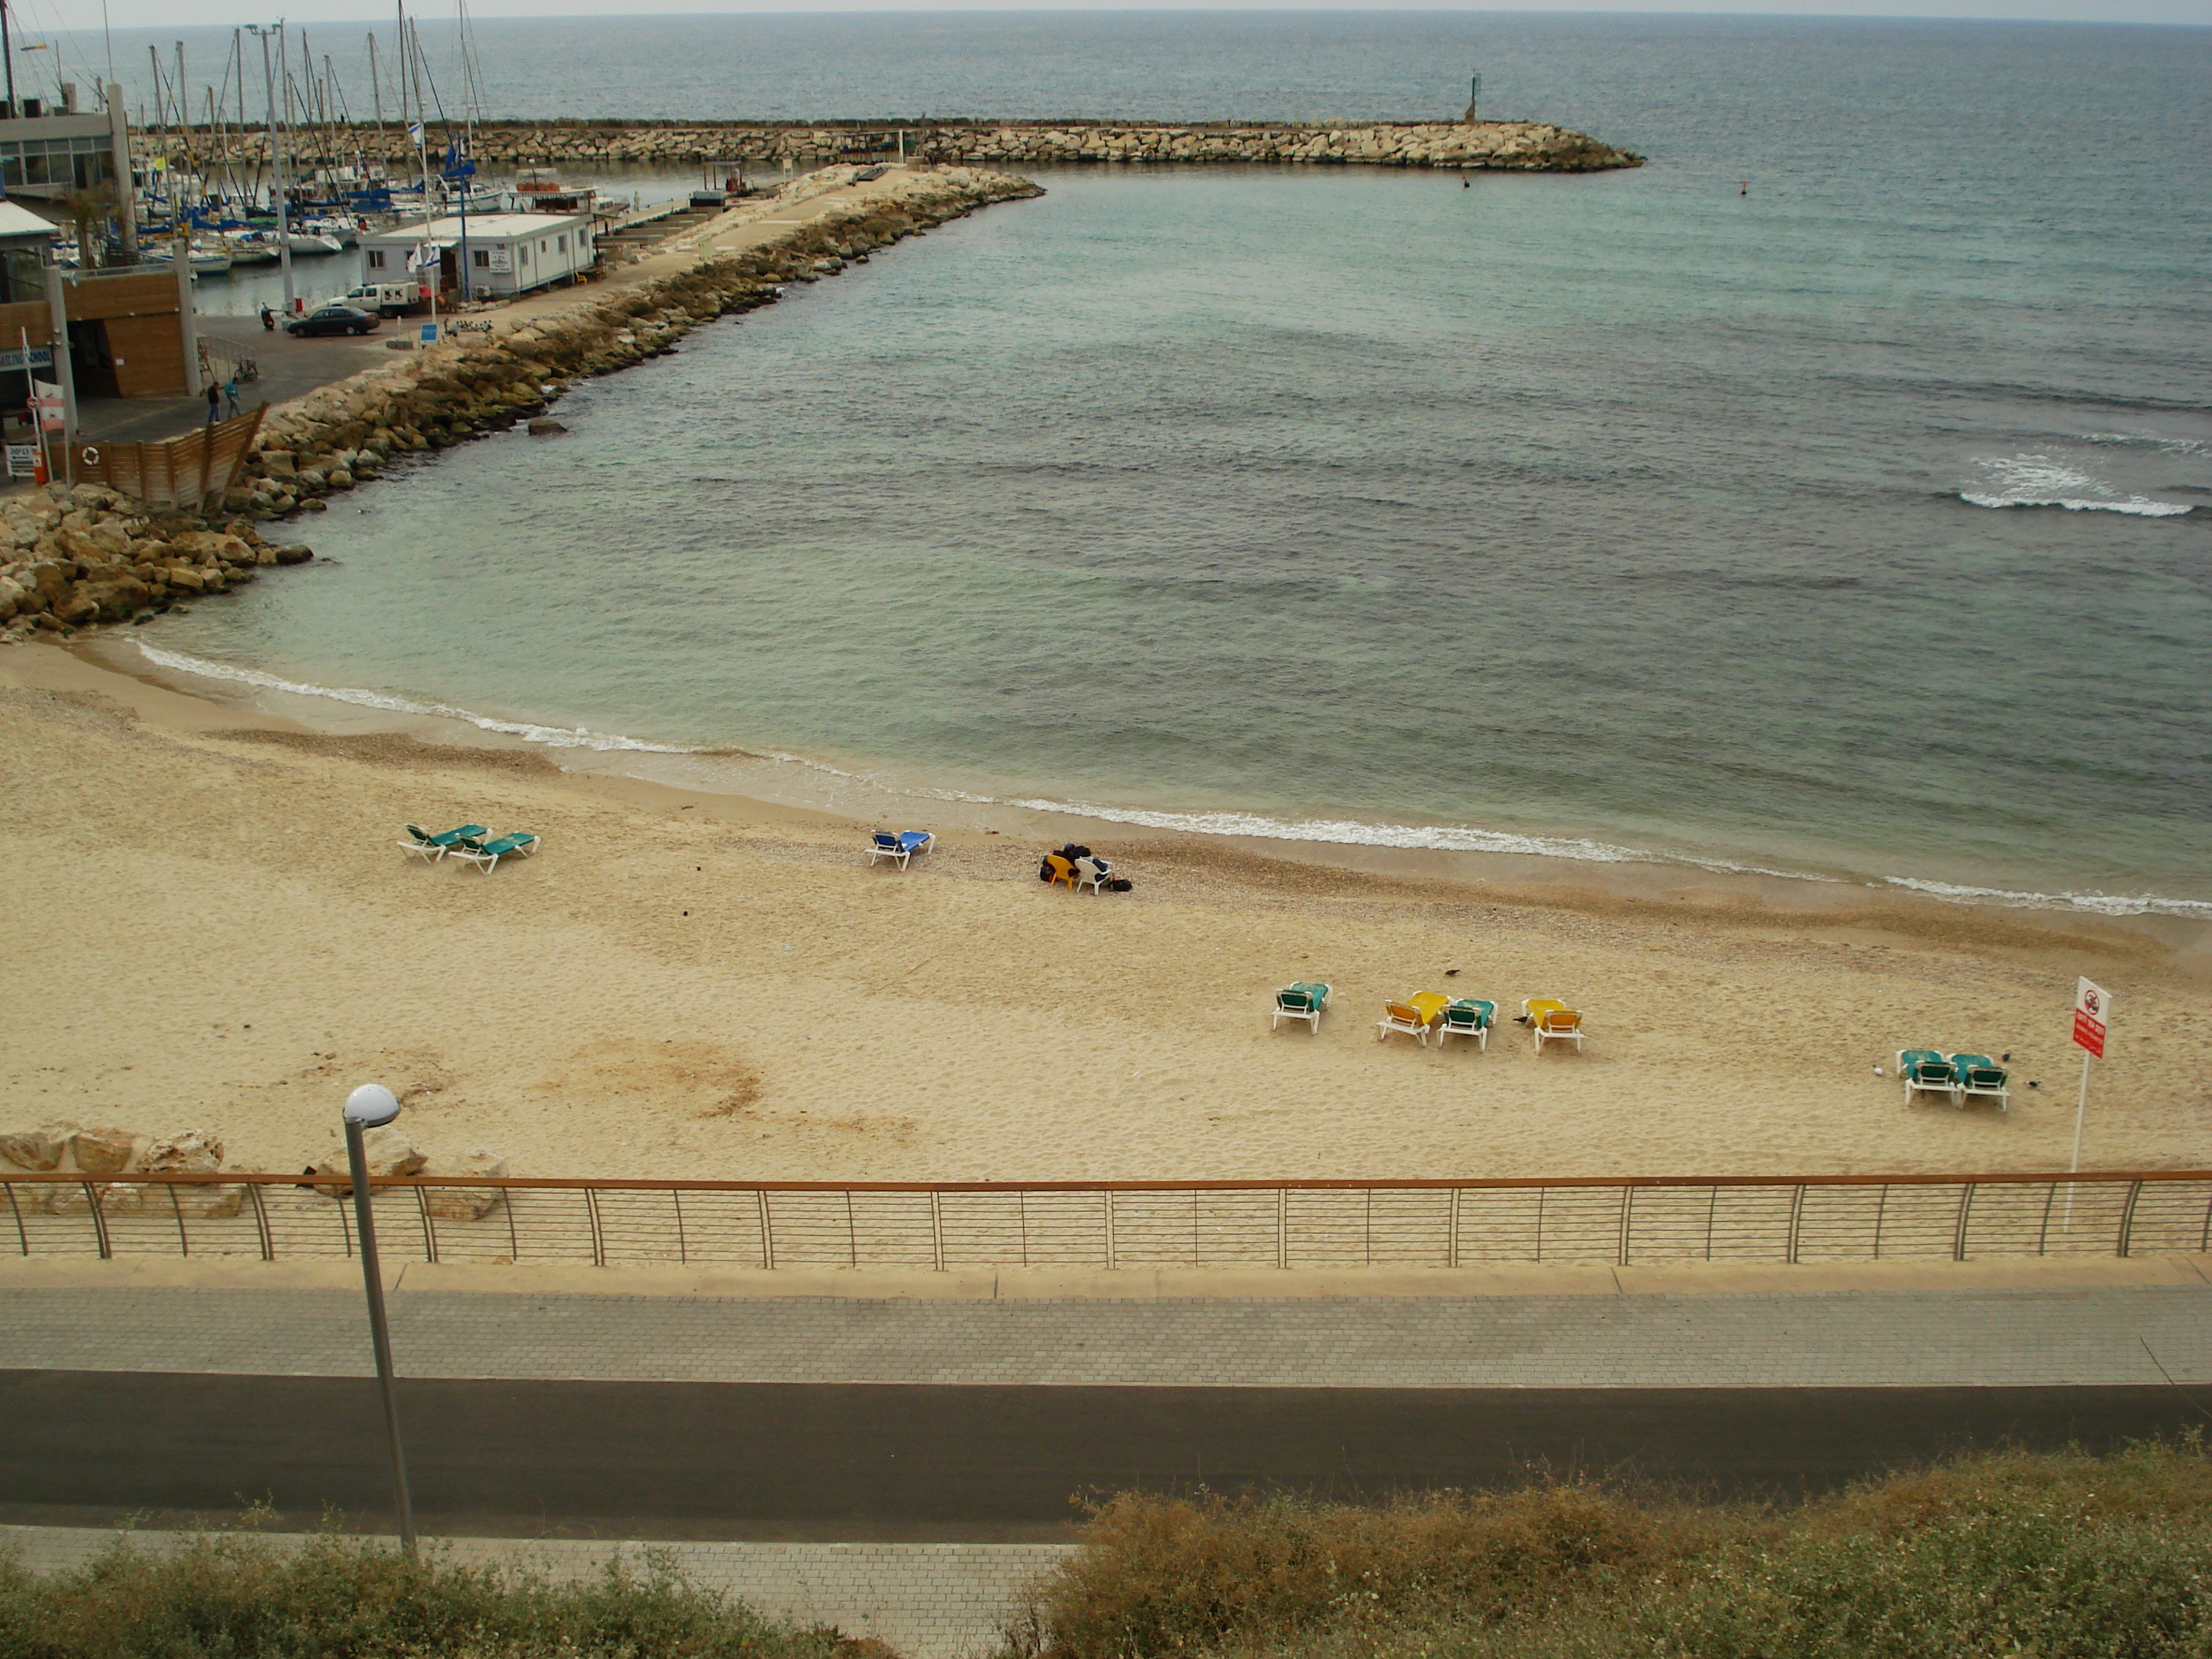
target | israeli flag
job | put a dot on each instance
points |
(425, 255)
(415, 134)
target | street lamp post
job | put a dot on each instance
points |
(371, 1107)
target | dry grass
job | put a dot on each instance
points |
(241, 1597)
(2061, 1556)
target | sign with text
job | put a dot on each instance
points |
(23, 357)
(22, 460)
(2093, 1011)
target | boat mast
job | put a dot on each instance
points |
(276, 159)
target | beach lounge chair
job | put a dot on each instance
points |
(1413, 1017)
(1062, 871)
(1983, 1079)
(900, 847)
(1094, 873)
(433, 848)
(1551, 1020)
(486, 854)
(1306, 1000)
(1927, 1073)
(1469, 1016)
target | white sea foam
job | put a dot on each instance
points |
(1352, 832)
(553, 736)
(2045, 481)
(2102, 904)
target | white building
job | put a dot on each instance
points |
(506, 252)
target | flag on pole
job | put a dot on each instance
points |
(415, 134)
(426, 255)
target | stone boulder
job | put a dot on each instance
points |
(466, 1203)
(545, 428)
(389, 1152)
(36, 1150)
(103, 1152)
(194, 1152)
(119, 596)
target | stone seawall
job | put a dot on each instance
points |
(70, 560)
(1518, 146)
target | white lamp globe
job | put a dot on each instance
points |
(371, 1106)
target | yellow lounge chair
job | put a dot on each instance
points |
(1413, 1016)
(1551, 1020)
(1062, 871)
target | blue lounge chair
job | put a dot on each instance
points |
(486, 854)
(1307, 1000)
(1469, 1016)
(900, 847)
(433, 848)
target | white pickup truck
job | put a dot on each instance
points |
(385, 298)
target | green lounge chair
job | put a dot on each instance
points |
(486, 854)
(1927, 1073)
(1307, 1000)
(1469, 1016)
(1981, 1078)
(433, 848)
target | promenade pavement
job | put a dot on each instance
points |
(756, 1424)
(2150, 1328)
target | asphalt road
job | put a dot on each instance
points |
(879, 1462)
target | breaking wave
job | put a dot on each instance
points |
(2043, 481)
(553, 736)
(2102, 904)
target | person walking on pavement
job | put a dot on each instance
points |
(230, 395)
(215, 403)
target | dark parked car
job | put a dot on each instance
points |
(332, 319)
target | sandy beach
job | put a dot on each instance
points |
(215, 930)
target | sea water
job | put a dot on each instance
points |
(1831, 495)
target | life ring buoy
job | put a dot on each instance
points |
(89, 456)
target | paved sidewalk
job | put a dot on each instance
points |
(929, 1601)
(1918, 1338)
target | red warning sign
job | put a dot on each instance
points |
(2092, 1010)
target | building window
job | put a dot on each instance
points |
(481, 258)
(563, 241)
(522, 253)
(376, 258)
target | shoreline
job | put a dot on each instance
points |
(1526, 878)
(1655, 888)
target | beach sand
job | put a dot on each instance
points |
(214, 929)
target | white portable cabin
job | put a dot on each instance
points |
(507, 253)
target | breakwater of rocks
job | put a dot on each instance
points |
(1516, 145)
(73, 560)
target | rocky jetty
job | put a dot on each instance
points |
(71, 560)
(1516, 145)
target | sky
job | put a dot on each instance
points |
(157, 14)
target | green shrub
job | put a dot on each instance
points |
(2062, 1556)
(233, 1595)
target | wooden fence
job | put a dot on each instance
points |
(193, 472)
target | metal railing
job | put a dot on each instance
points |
(1117, 1224)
